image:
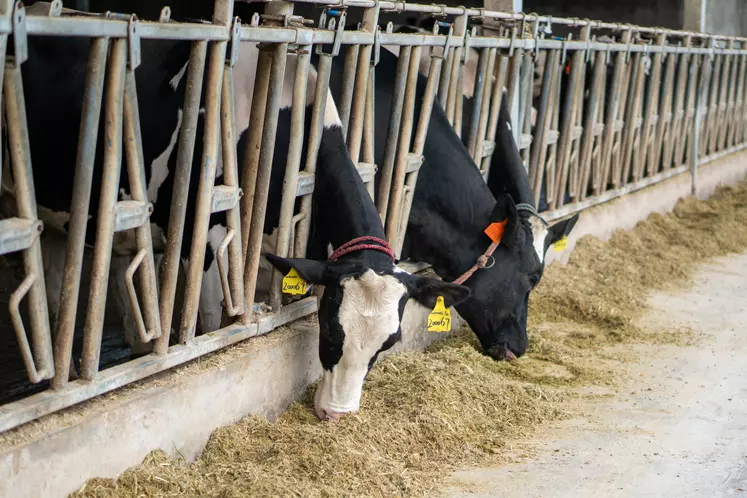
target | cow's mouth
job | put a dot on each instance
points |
(501, 352)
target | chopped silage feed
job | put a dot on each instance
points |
(424, 414)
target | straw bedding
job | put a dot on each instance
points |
(424, 414)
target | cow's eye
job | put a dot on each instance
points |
(534, 280)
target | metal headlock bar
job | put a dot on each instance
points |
(595, 116)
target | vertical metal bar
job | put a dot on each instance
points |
(357, 111)
(418, 145)
(696, 63)
(513, 90)
(348, 85)
(495, 108)
(738, 104)
(613, 111)
(459, 97)
(484, 108)
(701, 109)
(234, 302)
(205, 189)
(87, 138)
(250, 169)
(570, 106)
(105, 225)
(588, 137)
(293, 162)
(525, 100)
(478, 110)
(651, 106)
(544, 119)
(665, 114)
(396, 199)
(267, 150)
(369, 122)
(727, 124)
(455, 69)
(139, 192)
(395, 117)
(678, 123)
(629, 159)
(321, 91)
(182, 174)
(710, 120)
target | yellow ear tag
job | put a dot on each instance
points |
(439, 320)
(561, 244)
(293, 284)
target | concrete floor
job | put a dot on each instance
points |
(678, 428)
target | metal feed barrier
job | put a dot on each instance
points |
(644, 105)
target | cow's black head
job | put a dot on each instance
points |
(360, 316)
(497, 308)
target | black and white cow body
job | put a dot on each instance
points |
(364, 293)
(452, 206)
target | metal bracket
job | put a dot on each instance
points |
(447, 43)
(564, 49)
(548, 26)
(338, 26)
(131, 214)
(17, 234)
(20, 40)
(226, 197)
(414, 162)
(55, 8)
(165, 14)
(145, 335)
(133, 43)
(231, 310)
(235, 42)
(35, 376)
(376, 51)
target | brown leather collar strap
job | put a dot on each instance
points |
(482, 262)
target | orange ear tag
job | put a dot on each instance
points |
(495, 231)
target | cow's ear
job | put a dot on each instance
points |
(310, 270)
(504, 221)
(426, 290)
(559, 230)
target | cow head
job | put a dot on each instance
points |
(360, 316)
(497, 308)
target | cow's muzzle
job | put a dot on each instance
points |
(501, 352)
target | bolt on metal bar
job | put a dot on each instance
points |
(302, 63)
(267, 150)
(81, 197)
(232, 282)
(182, 174)
(390, 145)
(113, 130)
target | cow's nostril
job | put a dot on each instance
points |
(328, 416)
(501, 352)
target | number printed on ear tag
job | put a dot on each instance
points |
(293, 284)
(439, 319)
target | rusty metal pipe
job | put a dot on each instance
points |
(177, 216)
(76, 241)
(105, 225)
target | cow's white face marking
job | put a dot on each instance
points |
(160, 166)
(539, 233)
(368, 315)
(174, 83)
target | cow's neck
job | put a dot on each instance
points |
(453, 206)
(343, 209)
(507, 172)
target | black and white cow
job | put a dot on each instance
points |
(364, 293)
(452, 207)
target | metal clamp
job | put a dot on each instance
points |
(233, 53)
(35, 376)
(133, 43)
(20, 40)
(145, 335)
(165, 14)
(523, 24)
(223, 272)
(55, 8)
(548, 26)
(447, 43)
(376, 50)
(630, 43)
(332, 25)
(564, 48)
(513, 40)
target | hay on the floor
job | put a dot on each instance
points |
(423, 414)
